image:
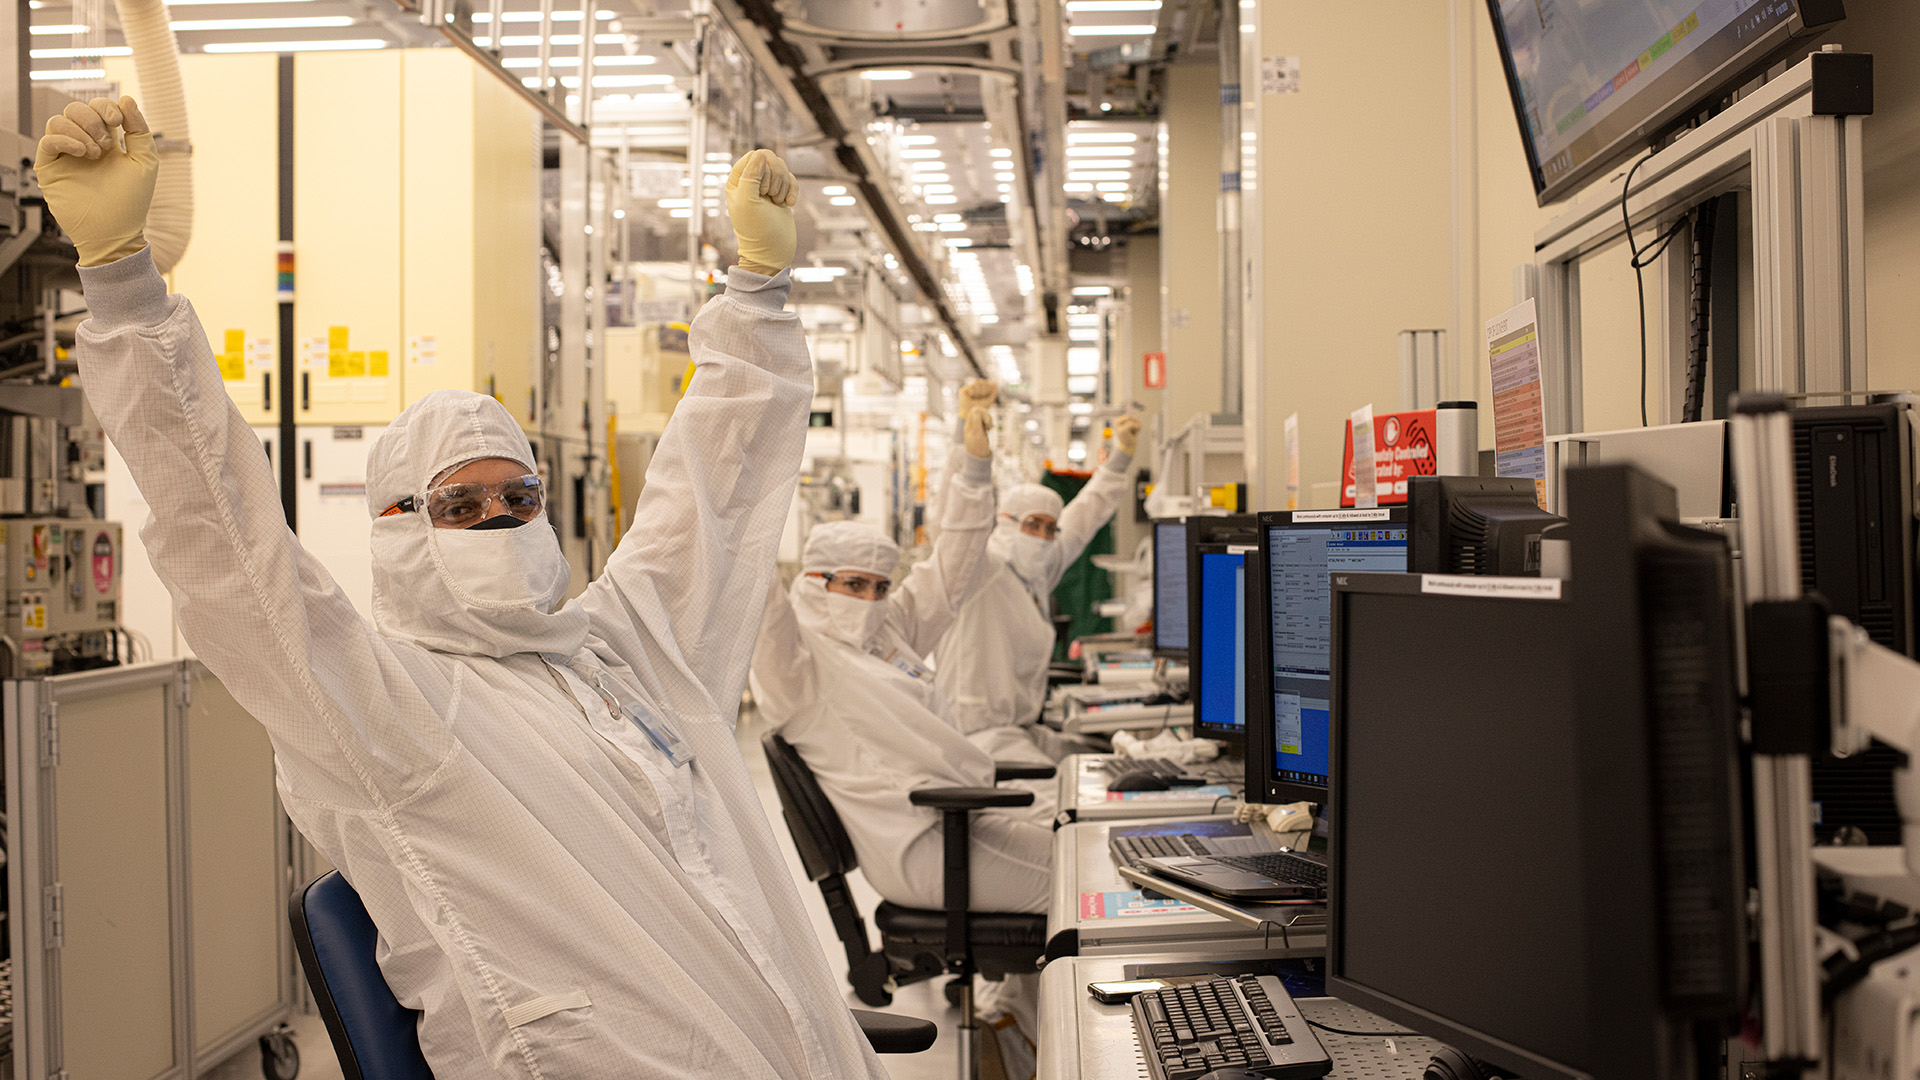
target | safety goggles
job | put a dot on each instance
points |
(456, 506)
(864, 586)
(1039, 525)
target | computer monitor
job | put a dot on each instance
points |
(1536, 848)
(1211, 529)
(1593, 82)
(1290, 637)
(1217, 653)
(1170, 588)
(1475, 525)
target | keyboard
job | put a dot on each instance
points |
(1248, 1022)
(1129, 850)
(1279, 866)
(1120, 766)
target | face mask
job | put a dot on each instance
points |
(853, 620)
(498, 521)
(502, 567)
(1032, 559)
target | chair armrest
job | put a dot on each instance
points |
(969, 798)
(890, 1034)
(1020, 770)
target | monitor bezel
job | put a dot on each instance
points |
(1235, 740)
(1263, 785)
(1470, 1041)
(1168, 652)
(1703, 88)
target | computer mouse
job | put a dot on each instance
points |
(1137, 781)
(1231, 1074)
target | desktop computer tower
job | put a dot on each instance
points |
(1853, 475)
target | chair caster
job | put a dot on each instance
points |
(279, 1056)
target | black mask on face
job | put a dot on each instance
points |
(499, 521)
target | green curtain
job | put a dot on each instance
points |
(1084, 585)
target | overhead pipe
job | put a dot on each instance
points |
(163, 101)
(1232, 306)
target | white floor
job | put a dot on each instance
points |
(924, 1000)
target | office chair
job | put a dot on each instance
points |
(376, 1038)
(915, 944)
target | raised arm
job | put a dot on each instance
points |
(1102, 495)
(924, 605)
(678, 599)
(784, 680)
(349, 722)
(976, 394)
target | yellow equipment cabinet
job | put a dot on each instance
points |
(471, 254)
(229, 269)
(645, 366)
(347, 223)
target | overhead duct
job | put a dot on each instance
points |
(1232, 303)
(163, 101)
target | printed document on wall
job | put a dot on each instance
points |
(1519, 406)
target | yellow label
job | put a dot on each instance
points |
(233, 367)
(377, 363)
(236, 341)
(336, 337)
(356, 364)
(36, 615)
(336, 363)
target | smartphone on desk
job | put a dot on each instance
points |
(1119, 993)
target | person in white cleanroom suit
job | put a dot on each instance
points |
(993, 662)
(840, 672)
(541, 804)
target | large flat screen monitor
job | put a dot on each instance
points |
(1218, 652)
(1170, 588)
(1593, 81)
(1292, 638)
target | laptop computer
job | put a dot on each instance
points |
(1269, 872)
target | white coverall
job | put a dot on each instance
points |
(872, 725)
(993, 661)
(557, 898)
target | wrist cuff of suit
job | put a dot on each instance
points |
(1120, 461)
(125, 292)
(768, 292)
(977, 469)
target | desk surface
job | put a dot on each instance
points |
(1083, 794)
(1107, 915)
(1081, 1039)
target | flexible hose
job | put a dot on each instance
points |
(163, 101)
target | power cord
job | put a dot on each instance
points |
(1642, 258)
(1365, 1034)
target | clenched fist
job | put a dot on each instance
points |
(1126, 434)
(978, 421)
(761, 192)
(97, 189)
(978, 394)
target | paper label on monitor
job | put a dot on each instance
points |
(1308, 517)
(1242, 549)
(1521, 588)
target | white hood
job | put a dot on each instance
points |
(492, 592)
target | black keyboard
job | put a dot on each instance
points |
(1248, 1022)
(1129, 850)
(1121, 766)
(1279, 866)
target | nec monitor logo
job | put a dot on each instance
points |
(1341, 581)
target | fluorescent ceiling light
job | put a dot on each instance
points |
(1005, 187)
(1093, 290)
(675, 204)
(818, 273)
(680, 213)
(68, 75)
(1115, 196)
(1083, 361)
(518, 41)
(886, 76)
(1099, 176)
(305, 22)
(925, 226)
(1114, 185)
(1076, 187)
(1103, 163)
(1000, 151)
(947, 217)
(1083, 384)
(942, 200)
(834, 189)
(937, 189)
(843, 200)
(59, 28)
(640, 60)
(345, 45)
(99, 50)
(928, 166)
(1075, 137)
(1117, 30)
(1113, 5)
(478, 16)
(1099, 151)
(1081, 408)
(920, 155)
(919, 140)
(958, 242)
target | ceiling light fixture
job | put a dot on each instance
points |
(98, 50)
(1115, 30)
(886, 76)
(834, 189)
(1084, 176)
(1075, 138)
(68, 75)
(308, 22)
(344, 45)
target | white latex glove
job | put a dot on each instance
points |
(97, 191)
(1126, 434)
(761, 192)
(978, 421)
(978, 394)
